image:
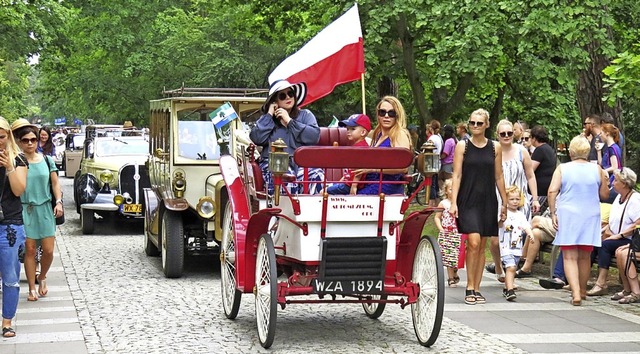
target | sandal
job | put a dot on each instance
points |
(620, 295)
(480, 299)
(8, 332)
(452, 283)
(598, 290)
(576, 302)
(33, 296)
(470, 297)
(630, 299)
(42, 287)
(500, 277)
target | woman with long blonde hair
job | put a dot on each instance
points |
(391, 131)
(13, 173)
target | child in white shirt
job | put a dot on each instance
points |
(511, 235)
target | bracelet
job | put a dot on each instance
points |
(59, 201)
(12, 171)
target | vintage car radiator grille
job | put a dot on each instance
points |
(353, 258)
(133, 179)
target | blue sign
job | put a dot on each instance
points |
(60, 121)
(77, 121)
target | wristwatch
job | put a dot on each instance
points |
(59, 201)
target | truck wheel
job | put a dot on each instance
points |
(172, 244)
(86, 221)
(149, 248)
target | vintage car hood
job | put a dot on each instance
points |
(114, 163)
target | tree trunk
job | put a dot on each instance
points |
(590, 90)
(409, 63)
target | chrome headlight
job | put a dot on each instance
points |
(179, 183)
(206, 207)
(106, 177)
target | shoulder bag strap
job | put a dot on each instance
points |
(623, 210)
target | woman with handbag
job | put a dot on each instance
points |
(627, 258)
(39, 217)
(13, 174)
(623, 218)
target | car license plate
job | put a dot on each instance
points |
(348, 286)
(132, 208)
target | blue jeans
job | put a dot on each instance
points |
(339, 188)
(558, 271)
(608, 249)
(11, 238)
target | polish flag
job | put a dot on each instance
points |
(333, 57)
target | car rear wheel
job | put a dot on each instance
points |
(172, 244)
(86, 221)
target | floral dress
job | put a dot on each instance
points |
(449, 238)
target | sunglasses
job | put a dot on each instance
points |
(391, 113)
(283, 95)
(526, 138)
(585, 123)
(29, 141)
(506, 134)
(476, 123)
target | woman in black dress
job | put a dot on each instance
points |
(477, 170)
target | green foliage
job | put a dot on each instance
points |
(106, 60)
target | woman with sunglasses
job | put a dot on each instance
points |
(517, 171)
(13, 173)
(283, 119)
(526, 141)
(477, 170)
(390, 132)
(38, 216)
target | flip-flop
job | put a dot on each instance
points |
(42, 287)
(33, 295)
(8, 332)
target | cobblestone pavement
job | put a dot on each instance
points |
(124, 304)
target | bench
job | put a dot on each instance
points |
(554, 251)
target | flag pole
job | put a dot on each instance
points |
(364, 109)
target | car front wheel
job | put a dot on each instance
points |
(172, 244)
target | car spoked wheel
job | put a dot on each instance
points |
(230, 294)
(265, 291)
(375, 309)
(428, 273)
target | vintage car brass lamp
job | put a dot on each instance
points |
(428, 164)
(429, 159)
(278, 165)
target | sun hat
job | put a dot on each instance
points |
(21, 123)
(355, 120)
(127, 124)
(299, 90)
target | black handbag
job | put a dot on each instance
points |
(60, 219)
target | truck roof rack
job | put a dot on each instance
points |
(219, 92)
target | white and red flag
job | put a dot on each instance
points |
(334, 56)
